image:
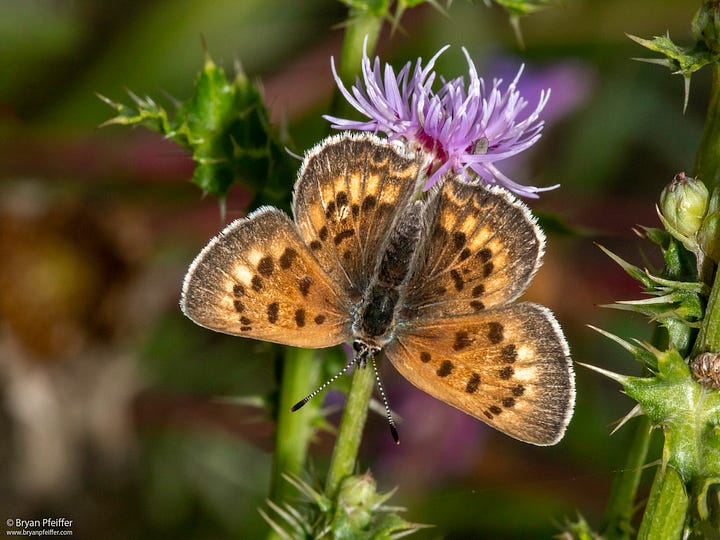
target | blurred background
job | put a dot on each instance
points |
(109, 407)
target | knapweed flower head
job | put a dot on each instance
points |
(464, 129)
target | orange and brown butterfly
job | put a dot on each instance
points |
(429, 279)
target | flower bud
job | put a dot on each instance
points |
(356, 500)
(683, 204)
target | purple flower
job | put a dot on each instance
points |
(464, 130)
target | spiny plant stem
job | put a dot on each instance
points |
(707, 168)
(707, 161)
(708, 339)
(351, 429)
(621, 504)
(667, 507)
(301, 375)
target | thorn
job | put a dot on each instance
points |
(636, 411)
(609, 374)
(515, 24)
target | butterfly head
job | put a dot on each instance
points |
(364, 351)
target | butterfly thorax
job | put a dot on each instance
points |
(374, 321)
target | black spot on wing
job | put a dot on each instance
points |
(473, 384)
(287, 258)
(457, 280)
(266, 266)
(508, 402)
(509, 353)
(462, 340)
(272, 312)
(304, 285)
(445, 368)
(343, 235)
(495, 332)
(257, 283)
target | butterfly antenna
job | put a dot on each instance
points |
(323, 386)
(393, 429)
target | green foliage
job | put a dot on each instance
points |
(684, 402)
(687, 60)
(382, 9)
(225, 126)
(578, 530)
(676, 299)
(688, 412)
(356, 512)
(680, 60)
(520, 8)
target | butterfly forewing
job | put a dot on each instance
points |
(348, 196)
(508, 366)
(258, 279)
(481, 249)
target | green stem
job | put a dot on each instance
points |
(707, 161)
(301, 374)
(707, 168)
(360, 24)
(351, 429)
(708, 339)
(667, 507)
(621, 504)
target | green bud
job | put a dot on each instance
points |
(683, 204)
(356, 500)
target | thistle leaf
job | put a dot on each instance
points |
(680, 60)
(225, 126)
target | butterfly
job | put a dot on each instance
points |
(430, 279)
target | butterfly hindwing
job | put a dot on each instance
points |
(507, 366)
(258, 279)
(347, 198)
(481, 249)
